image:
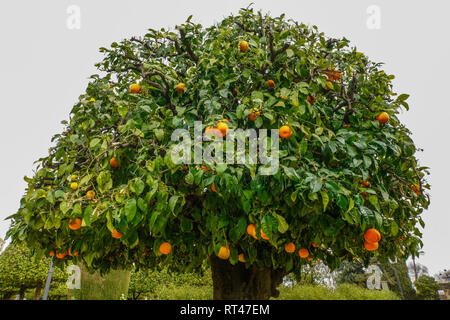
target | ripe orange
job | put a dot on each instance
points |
(285, 132)
(365, 183)
(332, 74)
(255, 113)
(213, 189)
(113, 162)
(224, 253)
(223, 128)
(74, 186)
(213, 131)
(309, 258)
(165, 248)
(75, 224)
(52, 253)
(251, 230)
(371, 246)
(270, 83)
(416, 188)
(311, 99)
(61, 255)
(70, 253)
(241, 258)
(303, 253)
(289, 247)
(116, 234)
(90, 194)
(135, 88)
(180, 87)
(382, 118)
(243, 45)
(263, 235)
(372, 235)
(315, 245)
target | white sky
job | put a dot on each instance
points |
(44, 67)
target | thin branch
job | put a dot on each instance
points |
(274, 53)
(186, 43)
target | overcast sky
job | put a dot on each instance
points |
(45, 62)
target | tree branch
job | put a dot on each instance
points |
(186, 43)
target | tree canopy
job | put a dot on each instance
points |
(346, 162)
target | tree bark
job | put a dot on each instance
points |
(37, 293)
(235, 282)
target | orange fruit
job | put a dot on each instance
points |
(224, 253)
(315, 245)
(332, 74)
(113, 163)
(70, 253)
(263, 235)
(213, 131)
(329, 85)
(61, 255)
(90, 194)
(223, 128)
(303, 253)
(74, 186)
(116, 234)
(416, 188)
(241, 258)
(311, 99)
(309, 258)
(289, 247)
(251, 230)
(180, 87)
(365, 183)
(382, 118)
(270, 83)
(52, 253)
(255, 113)
(285, 132)
(75, 224)
(135, 88)
(371, 246)
(372, 235)
(165, 248)
(213, 188)
(243, 45)
(204, 168)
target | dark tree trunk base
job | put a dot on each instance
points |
(238, 283)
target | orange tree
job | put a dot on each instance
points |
(110, 191)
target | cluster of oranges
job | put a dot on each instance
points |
(220, 130)
(371, 237)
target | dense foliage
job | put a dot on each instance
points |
(427, 288)
(19, 271)
(326, 92)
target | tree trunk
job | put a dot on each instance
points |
(21, 294)
(415, 270)
(37, 293)
(238, 283)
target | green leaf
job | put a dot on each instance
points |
(289, 53)
(394, 228)
(104, 181)
(282, 224)
(151, 223)
(172, 202)
(123, 110)
(325, 200)
(130, 209)
(139, 186)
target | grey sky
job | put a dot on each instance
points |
(44, 67)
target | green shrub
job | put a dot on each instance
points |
(342, 292)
